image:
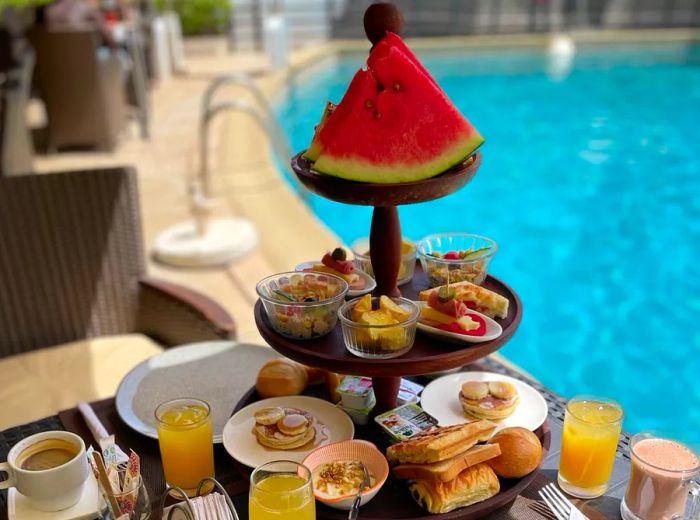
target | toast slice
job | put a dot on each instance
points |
(476, 297)
(447, 470)
(440, 443)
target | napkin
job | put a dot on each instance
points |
(98, 430)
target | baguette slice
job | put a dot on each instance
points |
(484, 301)
(447, 470)
(440, 443)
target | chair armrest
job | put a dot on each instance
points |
(173, 314)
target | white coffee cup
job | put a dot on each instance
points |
(51, 489)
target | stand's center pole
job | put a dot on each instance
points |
(385, 249)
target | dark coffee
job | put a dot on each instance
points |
(47, 454)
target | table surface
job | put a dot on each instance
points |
(235, 481)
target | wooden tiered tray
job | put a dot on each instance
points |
(427, 355)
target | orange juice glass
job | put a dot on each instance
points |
(592, 428)
(186, 443)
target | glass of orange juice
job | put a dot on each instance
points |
(281, 490)
(592, 428)
(186, 443)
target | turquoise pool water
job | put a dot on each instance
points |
(590, 184)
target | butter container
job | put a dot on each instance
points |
(408, 392)
(405, 422)
(360, 417)
(356, 392)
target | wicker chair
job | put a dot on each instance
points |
(72, 267)
(84, 95)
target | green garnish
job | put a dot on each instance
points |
(446, 293)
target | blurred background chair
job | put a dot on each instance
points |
(78, 311)
(16, 147)
(83, 91)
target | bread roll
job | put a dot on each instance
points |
(521, 452)
(281, 376)
(333, 381)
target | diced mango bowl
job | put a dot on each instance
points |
(379, 328)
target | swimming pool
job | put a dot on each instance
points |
(590, 184)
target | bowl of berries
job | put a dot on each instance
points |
(455, 257)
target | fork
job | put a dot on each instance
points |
(562, 508)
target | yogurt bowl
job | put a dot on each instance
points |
(335, 453)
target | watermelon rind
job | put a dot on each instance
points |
(357, 169)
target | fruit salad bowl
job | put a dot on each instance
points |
(455, 257)
(302, 305)
(379, 328)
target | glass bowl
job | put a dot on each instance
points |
(441, 271)
(302, 305)
(360, 250)
(379, 341)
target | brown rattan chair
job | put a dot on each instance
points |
(72, 267)
(84, 95)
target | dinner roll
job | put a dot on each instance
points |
(521, 452)
(281, 376)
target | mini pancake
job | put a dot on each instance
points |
(293, 424)
(475, 389)
(267, 416)
(500, 401)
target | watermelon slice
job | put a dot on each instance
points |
(394, 123)
(315, 149)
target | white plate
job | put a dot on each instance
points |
(241, 444)
(370, 283)
(493, 330)
(218, 372)
(441, 400)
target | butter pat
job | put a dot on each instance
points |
(406, 421)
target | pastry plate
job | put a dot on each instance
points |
(440, 398)
(493, 330)
(241, 444)
(370, 283)
(192, 370)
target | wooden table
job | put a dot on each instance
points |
(236, 483)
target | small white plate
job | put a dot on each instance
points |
(87, 508)
(493, 330)
(241, 444)
(370, 283)
(441, 400)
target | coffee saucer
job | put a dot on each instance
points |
(19, 508)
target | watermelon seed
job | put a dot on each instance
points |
(377, 114)
(369, 103)
(396, 87)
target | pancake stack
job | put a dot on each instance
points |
(284, 428)
(494, 400)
